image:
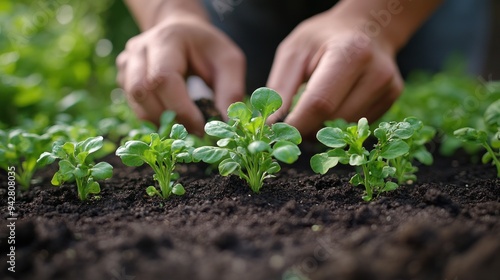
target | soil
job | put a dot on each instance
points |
(301, 226)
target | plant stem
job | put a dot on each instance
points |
(368, 188)
(81, 189)
(493, 156)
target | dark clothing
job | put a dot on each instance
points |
(258, 26)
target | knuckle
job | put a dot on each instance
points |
(321, 105)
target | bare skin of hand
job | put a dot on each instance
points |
(349, 76)
(350, 73)
(153, 67)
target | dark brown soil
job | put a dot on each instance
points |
(301, 226)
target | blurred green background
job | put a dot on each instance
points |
(57, 61)
(57, 58)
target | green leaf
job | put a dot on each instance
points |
(363, 129)
(404, 132)
(46, 158)
(286, 152)
(495, 140)
(423, 156)
(258, 147)
(224, 142)
(469, 134)
(178, 132)
(321, 163)
(492, 114)
(394, 149)
(228, 166)
(152, 191)
(68, 148)
(178, 145)
(166, 120)
(283, 131)
(219, 129)
(487, 157)
(209, 154)
(93, 187)
(356, 180)
(390, 186)
(132, 152)
(357, 160)
(81, 171)
(178, 189)
(266, 101)
(381, 134)
(388, 171)
(56, 179)
(90, 145)
(101, 171)
(332, 137)
(273, 168)
(239, 111)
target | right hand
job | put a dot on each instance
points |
(153, 67)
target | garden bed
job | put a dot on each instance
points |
(446, 226)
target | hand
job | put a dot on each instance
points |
(153, 67)
(350, 74)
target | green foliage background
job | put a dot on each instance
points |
(57, 59)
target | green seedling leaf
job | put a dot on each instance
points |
(394, 149)
(151, 191)
(132, 153)
(321, 163)
(286, 151)
(266, 101)
(167, 119)
(90, 145)
(101, 171)
(178, 189)
(390, 186)
(492, 115)
(228, 166)
(209, 154)
(258, 147)
(93, 187)
(46, 158)
(219, 129)
(239, 111)
(471, 135)
(178, 132)
(283, 131)
(332, 137)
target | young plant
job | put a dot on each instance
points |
(391, 157)
(21, 149)
(162, 155)
(76, 164)
(489, 138)
(247, 146)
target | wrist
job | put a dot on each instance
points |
(150, 13)
(388, 23)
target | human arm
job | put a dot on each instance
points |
(347, 55)
(177, 40)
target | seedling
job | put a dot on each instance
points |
(247, 146)
(21, 149)
(488, 138)
(162, 155)
(75, 164)
(391, 157)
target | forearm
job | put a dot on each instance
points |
(148, 13)
(392, 21)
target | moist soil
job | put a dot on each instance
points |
(300, 226)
